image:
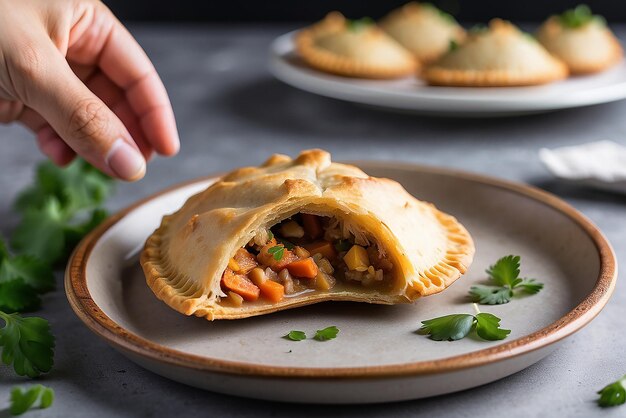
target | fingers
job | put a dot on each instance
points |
(49, 142)
(83, 120)
(124, 62)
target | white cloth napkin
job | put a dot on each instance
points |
(597, 164)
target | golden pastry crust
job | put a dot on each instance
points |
(498, 56)
(423, 30)
(367, 53)
(590, 48)
(183, 260)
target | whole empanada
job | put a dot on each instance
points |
(293, 232)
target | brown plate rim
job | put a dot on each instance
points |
(90, 313)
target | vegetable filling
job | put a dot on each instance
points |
(302, 254)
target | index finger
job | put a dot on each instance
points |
(128, 66)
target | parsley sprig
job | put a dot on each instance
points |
(24, 399)
(277, 252)
(613, 394)
(458, 326)
(504, 275)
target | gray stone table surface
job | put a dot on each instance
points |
(231, 112)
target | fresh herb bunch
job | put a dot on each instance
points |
(61, 207)
(24, 399)
(504, 275)
(613, 394)
(578, 16)
(357, 25)
(458, 326)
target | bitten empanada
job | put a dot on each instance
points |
(353, 48)
(293, 232)
(582, 40)
(499, 55)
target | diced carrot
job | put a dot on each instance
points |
(327, 249)
(245, 261)
(241, 285)
(312, 225)
(303, 268)
(266, 259)
(272, 290)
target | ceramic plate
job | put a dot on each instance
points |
(377, 356)
(411, 94)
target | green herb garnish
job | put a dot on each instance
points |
(613, 394)
(296, 336)
(458, 326)
(27, 344)
(342, 245)
(578, 17)
(357, 25)
(23, 400)
(59, 209)
(277, 252)
(22, 279)
(453, 45)
(326, 334)
(288, 245)
(504, 274)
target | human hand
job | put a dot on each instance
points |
(73, 74)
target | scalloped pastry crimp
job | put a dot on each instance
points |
(499, 55)
(353, 49)
(301, 231)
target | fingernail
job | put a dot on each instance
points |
(126, 161)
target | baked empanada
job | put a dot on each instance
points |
(295, 232)
(582, 40)
(353, 48)
(423, 29)
(500, 55)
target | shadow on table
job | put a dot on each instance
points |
(272, 104)
(578, 192)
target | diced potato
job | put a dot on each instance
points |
(234, 298)
(291, 229)
(324, 281)
(357, 259)
(257, 276)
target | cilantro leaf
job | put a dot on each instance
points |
(41, 232)
(326, 334)
(17, 296)
(77, 186)
(613, 394)
(296, 335)
(450, 327)
(488, 327)
(506, 270)
(505, 276)
(31, 270)
(458, 326)
(530, 286)
(23, 400)
(490, 295)
(277, 252)
(288, 245)
(74, 233)
(27, 344)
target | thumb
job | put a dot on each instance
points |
(80, 118)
